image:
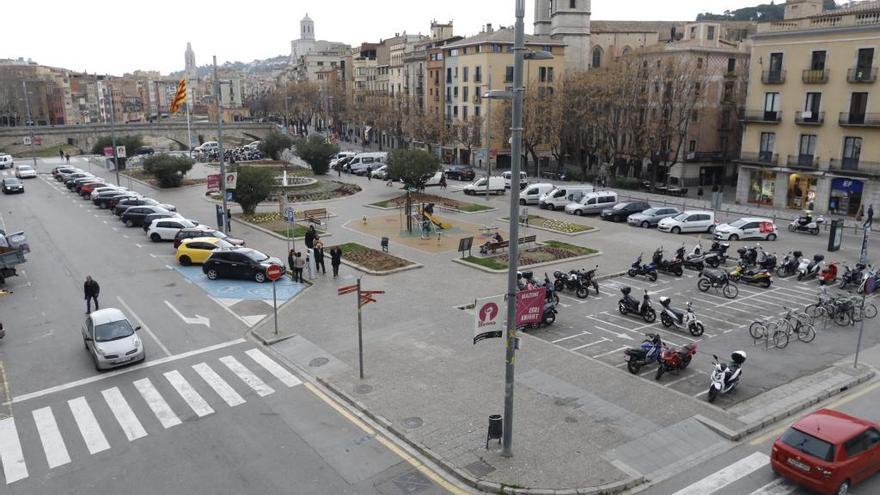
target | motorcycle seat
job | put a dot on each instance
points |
(678, 314)
(637, 353)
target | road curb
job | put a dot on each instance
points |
(273, 234)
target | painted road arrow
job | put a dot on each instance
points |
(198, 320)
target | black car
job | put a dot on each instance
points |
(113, 201)
(12, 185)
(204, 231)
(124, 204)
(144, 150)
(460, 172)
(621, 211)
(102, 200)
(243, 263)
(135, 215)
(72, 178)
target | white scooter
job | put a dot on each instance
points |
(671, 317)
(806, 223)
(725, 377)
(808, 269)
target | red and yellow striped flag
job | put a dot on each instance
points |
(179, 97)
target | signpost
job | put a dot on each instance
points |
(273, 273)
(870, 287)
(108, 151)
(290, 217)
(364, 297)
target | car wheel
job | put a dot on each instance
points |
(646, 224)
(155, 237)
(843, 489)
(711, 229)
(522, 202)
(733, 237)
(85, 344)
(676, 230)
(212, 274)
(771, 237)
(579, 213)
(185, 261)
(129, 223)
(259, 277)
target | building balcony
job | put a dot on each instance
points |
(803, 161)
(855, 166)
(762, 116)
(705, 156)
(773, 77)
(859, 119)
(760, 158)
(809, 118)
(861, 75)
(815, 76)
(731, 74)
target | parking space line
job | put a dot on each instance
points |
(609, 352)
(601, 339)
(613, 324)
(673, 382)
(571, 337)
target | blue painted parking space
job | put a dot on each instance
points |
(241, 289)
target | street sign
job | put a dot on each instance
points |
(487, 318)
(530, 306)
(231, 180)
(289, 214)
(108, 151)
(120, 152)
(346, 290)
(38, 140)
(274, 272)
(213, 182)
(26, 140)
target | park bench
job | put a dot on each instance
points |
(316, 215)
(506, 244)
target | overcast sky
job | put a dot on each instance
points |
(120, 36)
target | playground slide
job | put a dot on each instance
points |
(435, 221)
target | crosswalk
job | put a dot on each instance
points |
(732, 475)
(128, 414)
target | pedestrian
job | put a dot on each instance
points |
(869, 221)
(290, 264)
(443, 181)
(319, 258)
(700, 192)
(311, 235)
(91, 290)
(335, 259)
(369, 173)
(61, 154)
(339, 169)
(228, 219)
(298, 264)
(67, 158)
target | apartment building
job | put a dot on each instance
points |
(812, 109)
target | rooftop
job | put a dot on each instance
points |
(503, 36)
(862, 15)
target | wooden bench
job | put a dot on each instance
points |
(316, 215)
(494, 246)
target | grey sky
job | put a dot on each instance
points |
(120, 36)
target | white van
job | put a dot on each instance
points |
(358, 165)
(208, 146)
(523, 179)
(496, 186)
(532, 194)
(594, 202)
(339, 156)
(558, 198)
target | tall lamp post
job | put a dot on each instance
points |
(30, 123)
(218, 102)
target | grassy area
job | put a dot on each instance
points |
(548, 252)
(580, 250)
(298, 231)
(48, 152)
(369, 258)
(558, 225)
(418, 198)
(491, 263)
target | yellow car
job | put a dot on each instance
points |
(197, 249)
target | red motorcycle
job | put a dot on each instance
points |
(675, 359)
(828, 275)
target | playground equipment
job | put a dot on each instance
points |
(424, 220)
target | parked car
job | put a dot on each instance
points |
(205, 231)
(86, 189)
(621, 211)
(164, 229)
(197, 249)
(102, 198)
(98, 190)
(341, 163)
(523, 179)
(77, 179)
(828, 452)
(242, 263)
(338, 157)
(747, 228)
(6, 161)
(592, 202)
(479, 186)
(123, 205)
(111, 339)
(359, 163)
(65, 175)
(12, 185)
(111, 202)
(148, 220)
(144, 150)
(652, 216)
(57, 171)
(434, 180)
(25, 172)
(689, 221)
(560, 197)
(135, 215)
(381, 173)
(460, 172)
(532, 194)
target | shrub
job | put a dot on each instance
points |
(630, 183)
(317, 152)
(254, 185)
(131, 143)
(168, 170)
(275, 143)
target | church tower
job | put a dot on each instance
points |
(191, 74)
(307, 29)
(570, 23)
(542, 17)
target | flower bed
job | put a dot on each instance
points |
(369, 258)
(322, 191)
(547, 252)
(276, 223)
(150, 179)
(558, 225)
(430, 198)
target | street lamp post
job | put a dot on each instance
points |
(217, 101)
(113, 135)
(27, 105)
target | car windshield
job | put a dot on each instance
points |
(620, 206)
(651, 211)
(808, 444)
(113, 330)
(11, 181)
(739, 223)
(255, 255)
(680, 216)
(223, 244)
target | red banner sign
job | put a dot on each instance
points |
(213, 181)
(530, 306)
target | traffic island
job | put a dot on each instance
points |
(542, 254)
(372, 261)
(274, 224)
(440, 201)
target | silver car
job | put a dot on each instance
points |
(652, 216)
(111, 340)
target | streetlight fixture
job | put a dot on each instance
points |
(30, 123)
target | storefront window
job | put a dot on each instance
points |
(802, 192)
(846, 196)
(762, 186)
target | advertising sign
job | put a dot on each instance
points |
(488, 321)
(120, 152)
(108, 151)
(530, 306)
(213, 182)
(231, 179)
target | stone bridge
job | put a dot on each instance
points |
(161, 136)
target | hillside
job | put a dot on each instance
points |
(764, 12)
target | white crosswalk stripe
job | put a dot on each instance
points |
(156, 403)
(730, 474)
(11, 455)
(779, 486)
(247, 376)
(130, 424)
(50, 437)
(188, 393)
(223, 389)
(274, 368)
(88, 425)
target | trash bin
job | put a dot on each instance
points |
(496, 429)
(835, 237)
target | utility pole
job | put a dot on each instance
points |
(27, 105)
(113, 134)
(220, 142)
(489, 139)
(513, 260)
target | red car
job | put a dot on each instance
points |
(828, 452)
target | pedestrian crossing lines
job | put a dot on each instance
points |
(95, 421)
(736, 476)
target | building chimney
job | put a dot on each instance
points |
(489, 27)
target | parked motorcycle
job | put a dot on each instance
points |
(637, 268)
(674, 266)
(552, 296)
(828, 275)
(682, 320)
(694, 261)
(808, 269)
(789, 265)
(870, 274)
(647, 353)
(759, 276)
(717, 279)
(748, 256)
(725, 377)
(806, 223)
(588, 279)
(629, 305)
(852, 276)
(766, 261)
(719, 250)
(675, 359)
(570, 281)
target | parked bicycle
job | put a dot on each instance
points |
(780, 331)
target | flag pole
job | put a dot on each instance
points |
(189, 139)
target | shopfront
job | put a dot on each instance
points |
(762, 187)
(846, 196)
(802, 192)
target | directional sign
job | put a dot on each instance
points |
(371, 292)
(347, 289)
(26, 140)
(366, 300)
(274, 272)
(289, 214)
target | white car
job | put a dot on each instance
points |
(689, 221)
(164, 229)
(111, 339)
(435, 179)
(381, 172)
(25, 172)
(98, 190)
(6, 161)
(747, 228)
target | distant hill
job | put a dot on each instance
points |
(764, 12)
(255, 66)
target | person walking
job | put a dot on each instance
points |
(319, 258)
(443, 181)
(290, 264)
(91, 290)
(369, 173)
(67, 158)
(61, 154)
(869, 221)
(298, 264)
(311, 235)
(335, 259)
(228, 219)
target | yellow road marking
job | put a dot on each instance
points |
(837, 403)
(386, 442)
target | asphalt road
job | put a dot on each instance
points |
(208, 411)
